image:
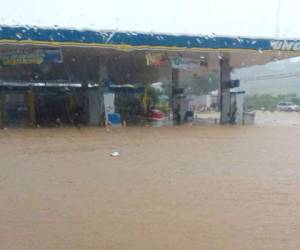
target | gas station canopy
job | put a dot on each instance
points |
(241, 51)
(123, 57)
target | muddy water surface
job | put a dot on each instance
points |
(170, 188)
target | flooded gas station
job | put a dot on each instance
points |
(64, 77)
(115, 140)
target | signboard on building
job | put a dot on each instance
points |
(36, 56)
(156, 59)
(187, 63)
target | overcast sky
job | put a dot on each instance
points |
(221, 17)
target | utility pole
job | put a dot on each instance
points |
(277, 31)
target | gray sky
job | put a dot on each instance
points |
(221, 17)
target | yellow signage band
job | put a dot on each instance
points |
(126, 47)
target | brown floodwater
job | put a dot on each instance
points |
(173, 188)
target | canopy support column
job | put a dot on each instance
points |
(225, 71)
(31, 108)
(1, 110)
(175, 103)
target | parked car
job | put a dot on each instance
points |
(287, 106)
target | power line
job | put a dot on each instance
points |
(277, 30)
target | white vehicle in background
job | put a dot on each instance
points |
(287, 106)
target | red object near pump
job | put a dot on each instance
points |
(155, 115)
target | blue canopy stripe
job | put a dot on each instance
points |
(139, 41)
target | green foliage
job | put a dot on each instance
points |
(268, 101)
(164, 107)
(153, 95)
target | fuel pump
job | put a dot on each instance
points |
(228, 105)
